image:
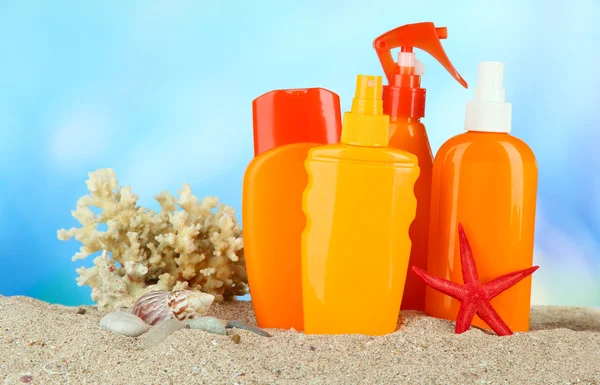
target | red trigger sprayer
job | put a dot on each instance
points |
(404, 103)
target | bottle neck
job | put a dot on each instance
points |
(475, 132)
(404, 99)
(404, 119)
(403, 126)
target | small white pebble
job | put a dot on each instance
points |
(124, 323)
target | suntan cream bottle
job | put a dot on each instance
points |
(359, 204)
(287, 124)
(485, 179)
(404, 102)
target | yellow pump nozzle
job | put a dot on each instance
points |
(367, 96)
(365, 124)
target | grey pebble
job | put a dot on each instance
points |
(240, 325)
(124, 323)
(159, 332)
(208, 324)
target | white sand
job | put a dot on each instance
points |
(52, 344)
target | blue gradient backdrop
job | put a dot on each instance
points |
(161, 91)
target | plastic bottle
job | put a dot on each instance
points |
(287, 123)
(359, 203)
(485, 179)
(404, 102)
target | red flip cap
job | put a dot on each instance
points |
(307, 115)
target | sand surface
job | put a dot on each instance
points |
(52, 344)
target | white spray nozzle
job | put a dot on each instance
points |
(408, 60)
(489, 82)
(419, 67)
(488, 111)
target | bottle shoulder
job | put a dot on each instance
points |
(279, 156)
(413, 125)
(341, 152)
(486, 146)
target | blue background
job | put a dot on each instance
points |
(161, 91)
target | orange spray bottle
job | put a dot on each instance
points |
(287, 123)
(485, 179)
(404, 102)
(359, 203)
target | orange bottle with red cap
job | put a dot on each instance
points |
(404, 103)
(287, 124)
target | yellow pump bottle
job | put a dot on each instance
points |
(359, 204)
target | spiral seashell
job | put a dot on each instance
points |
(158, 305)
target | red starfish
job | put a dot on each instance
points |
(475, 297)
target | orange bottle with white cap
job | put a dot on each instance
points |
(287, 124)
(486, 180)
(404, 102)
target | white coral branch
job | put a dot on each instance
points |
(195, 247)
